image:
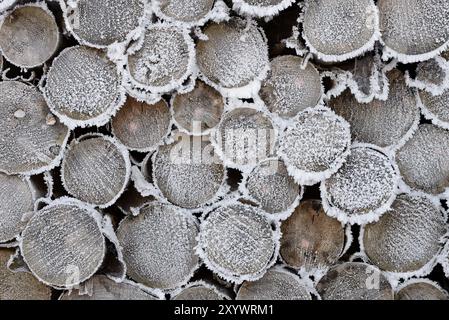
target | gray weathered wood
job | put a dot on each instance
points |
(20, 285)
(354, 281)
(96, 170)
(63, 244)
(276, 284)
(158, 246)
(310, 239)
(140, 126)
(200, 291)
(186, 11)
(29, 36)
(30, 143)
(421, 290)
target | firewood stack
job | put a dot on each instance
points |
(221, 150)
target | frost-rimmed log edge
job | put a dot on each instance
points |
(222, 272)
(219, 291)
(219, 13)
(39, 4)
(122, 149)
(308, 178)
(99, 120)
(275, 216)
(395, 277)
(144, 20)
(417, 281)
(152, 94)
(257, 11)
(431, 88)
(188, 216)
(92, 213)
(429, 115)
(373, 215)
(368, 46)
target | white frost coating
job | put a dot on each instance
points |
(204, 290)
(145, 188)
(160, 61)
(73, 9)
(187, 13)
(387, 124)
(72, 273)
(5, 4)
(413, 30)
(277, 284)
(434, 289)
(108, 231)
(234, 59)
(158, 246)
(269, 186)
(337, 32)
(29, 146)
(24, 46)
(187, 174)
(93, 166)
(80, 96)
(295, 42)
(315, 146)
(245, 136)
(243, 259)
(431, 76)
(365, 186)
(339, 79)
(405, 251)
(435, 107)
(261, 8)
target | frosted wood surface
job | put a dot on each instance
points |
(158, 246)
(104, 288)
(163, 57)
(364, 183)
(290, 89)
(186, 10)
(63, 245)
(383, 123)
(407, 237)
(103, 22)
(198, 292)
(263, 2)
(29, 36)
(140, 126)
(16, 199)
(424, 160)
(339, 27)
(431, 72)
(311, 239)
(421, 291)
(354, 281)
(237, 240)
(437, 105)
(184, 176)
(28, 143)
(272, 187)
(204, 105)
(82, 84)
(316, 141)
(245, 136)
(234, 54)
(274, 285)
(94, 171)
(414, 27)
(21, 285)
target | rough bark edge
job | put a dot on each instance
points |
(268, 12)
(92, 213)
(42, 5)
(124, 152)
(431, 88)
(228, 275)
(99, 120)
(308, 178)
(435, 119)
(219, 12)
(368, 46)
(373, 215)
(152, 94)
